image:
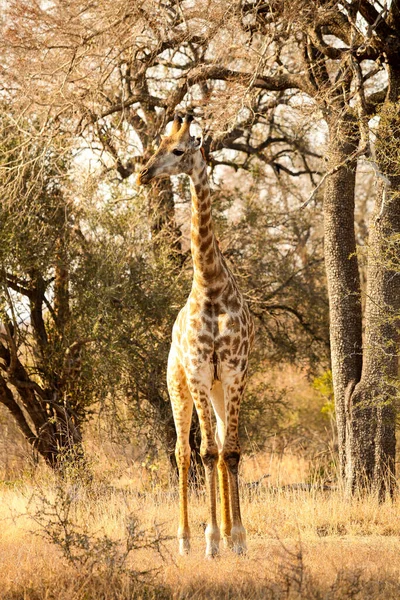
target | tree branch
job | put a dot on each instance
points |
(276, 82)
(7, 399)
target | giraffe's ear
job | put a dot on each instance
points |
(198, 142)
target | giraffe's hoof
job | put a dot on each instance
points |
(212, 551)
(239, 545)
(212, 541)
(184, 546)
(239, 549)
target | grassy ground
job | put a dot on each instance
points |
(117, 541)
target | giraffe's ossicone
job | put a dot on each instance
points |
(211, 340)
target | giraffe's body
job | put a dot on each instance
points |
(208, 360)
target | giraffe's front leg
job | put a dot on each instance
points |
(226, 522)
(182, 407)
(210, 457)
(238, 532)
(233, 390)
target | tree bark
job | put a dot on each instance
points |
(342, 273)
(373, 401)
(375, 395)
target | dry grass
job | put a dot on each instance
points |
(301, 544)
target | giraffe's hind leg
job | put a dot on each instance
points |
(218, 402)
(182, 408)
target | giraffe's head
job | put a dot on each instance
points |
(175, 154)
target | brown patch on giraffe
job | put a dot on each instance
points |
(244, 347)
(215, 290)
(204, 355)
(205, 243)
(235, 345)
(227, 296)
(197, 325)
(201, 193)
(209, 257)
(213, 272)
(234, 362)
(205, 338)
(234, 303)
(234, 324)
(224, 354)
(204, 230)
(223, 340)
(207, 307)
(215, 329)
(216, 287)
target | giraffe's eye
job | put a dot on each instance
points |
(178, 152)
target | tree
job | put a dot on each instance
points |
(363, 373)
(40, 350)
(268, 81)
(111, 76)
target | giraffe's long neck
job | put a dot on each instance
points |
(208, 264)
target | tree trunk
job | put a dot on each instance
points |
(40, 409)
(48, 427)
(342, 274)
(376, 392)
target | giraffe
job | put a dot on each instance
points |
(211, 340)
